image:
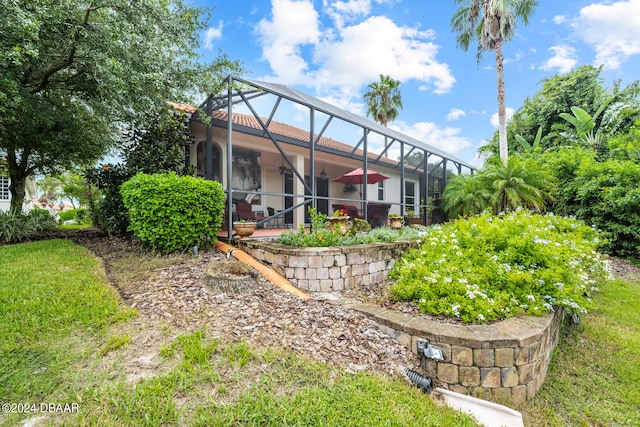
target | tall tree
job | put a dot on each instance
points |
(491, 23)
(71, 70)
(383, 100)
(583, 88)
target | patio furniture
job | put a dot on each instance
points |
(244, 211)
(277, 221)
(377, 213)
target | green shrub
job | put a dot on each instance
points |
(77, 215)
(171, 212)
(608, 196)
(359, 232)
(492, 267)
(109, 213)
(16, 227)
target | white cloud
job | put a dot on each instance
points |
(612, 29)
(494, 118)
(348, 57)
(447, 139)
(342, 12)
(378, 46)
(455, 114)
(559, 19)
(564, 59)
(212, 34)
(293, 25)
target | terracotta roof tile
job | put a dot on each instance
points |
(281, 129)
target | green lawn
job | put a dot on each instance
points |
(63, 332)
(594, 377)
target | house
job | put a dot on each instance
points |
(5, 194)
(263, 161)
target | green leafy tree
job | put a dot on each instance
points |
(70, 70)
(582, 88)
(491, 23)
(160, 146)
(626, 146)
(608, 196)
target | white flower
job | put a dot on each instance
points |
(480, 317)
(455, 309)
(531, 297)
(448, 280)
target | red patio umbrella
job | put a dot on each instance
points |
(356, 176)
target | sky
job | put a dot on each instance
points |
(333, 49)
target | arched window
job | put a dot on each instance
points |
(201, 154)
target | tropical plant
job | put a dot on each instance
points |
(491, 23)
(383, 100)
(466, 195)
(519, 183)
(538, 145)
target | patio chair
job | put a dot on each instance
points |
(277, 221)
(377, 213)
(244, 211)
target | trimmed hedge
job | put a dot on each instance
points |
(171, 212)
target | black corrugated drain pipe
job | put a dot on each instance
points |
(422, 382)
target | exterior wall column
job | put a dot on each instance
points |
(298, 190)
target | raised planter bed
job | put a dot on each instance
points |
(329, 269)
(503, 360)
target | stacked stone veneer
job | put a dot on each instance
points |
(504, 360)
(329, 269)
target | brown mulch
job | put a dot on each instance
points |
(262, 314)
(323, 328)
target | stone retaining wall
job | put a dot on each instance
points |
(329, 269)
(504, 360)
(507, 359)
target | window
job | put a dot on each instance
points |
(410, 195)
(380, 190)
(4, 188)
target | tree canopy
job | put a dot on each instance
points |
(71, 71)
(583, 88)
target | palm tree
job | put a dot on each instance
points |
(466, 195)
(491, 23)
(383, 100)
(518, 183)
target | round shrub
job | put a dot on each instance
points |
(492, 267)
(171, 212)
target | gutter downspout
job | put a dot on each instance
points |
(267, 272)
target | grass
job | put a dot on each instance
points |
(594, 376)
(64, 339)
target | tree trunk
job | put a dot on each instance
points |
(18, 180)
(17, 188)
(502, 113)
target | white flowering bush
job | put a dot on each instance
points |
(492, 267)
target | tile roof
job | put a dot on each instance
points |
(284, 130)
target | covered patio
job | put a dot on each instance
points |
(264, 141)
